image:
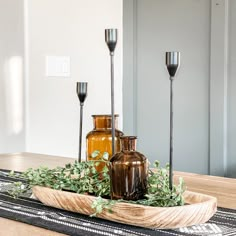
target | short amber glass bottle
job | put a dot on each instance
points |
(100, 138)
(128, 171)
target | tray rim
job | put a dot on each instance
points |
(210, 203)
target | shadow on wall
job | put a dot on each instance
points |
(14, 97)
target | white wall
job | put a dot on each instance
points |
(12, 128)
(72, 28)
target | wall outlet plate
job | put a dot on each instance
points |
(57, 66)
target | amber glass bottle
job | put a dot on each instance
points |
(128, 171)
(100, 138)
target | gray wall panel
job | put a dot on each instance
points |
(199, 89)
(231, 164)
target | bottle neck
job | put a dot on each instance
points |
(128, 143)
(103, 122)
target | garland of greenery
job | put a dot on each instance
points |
(84, 178)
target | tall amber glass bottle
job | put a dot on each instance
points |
(100, 138)
(128, 171)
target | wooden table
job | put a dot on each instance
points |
(224, 189)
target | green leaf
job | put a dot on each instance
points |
(105, 156)
(95, 154)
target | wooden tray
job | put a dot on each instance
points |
(199, 209)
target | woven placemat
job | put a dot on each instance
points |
(35, 213)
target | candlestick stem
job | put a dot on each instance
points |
(112, 103)
(80, 131)
(171, 136)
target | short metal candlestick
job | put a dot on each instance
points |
(111, 40)
(172, 64)
(81, 90)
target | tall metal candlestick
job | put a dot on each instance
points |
(172, 64)
(81, 89)
(111, 40)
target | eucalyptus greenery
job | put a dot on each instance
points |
(159, 193)
(77, 177)
(83, 177)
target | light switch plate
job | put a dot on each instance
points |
(57, 66)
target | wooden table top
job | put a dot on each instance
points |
(224, 189)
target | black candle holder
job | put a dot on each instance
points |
(172, 64)
(111, 40)
(81, 90)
